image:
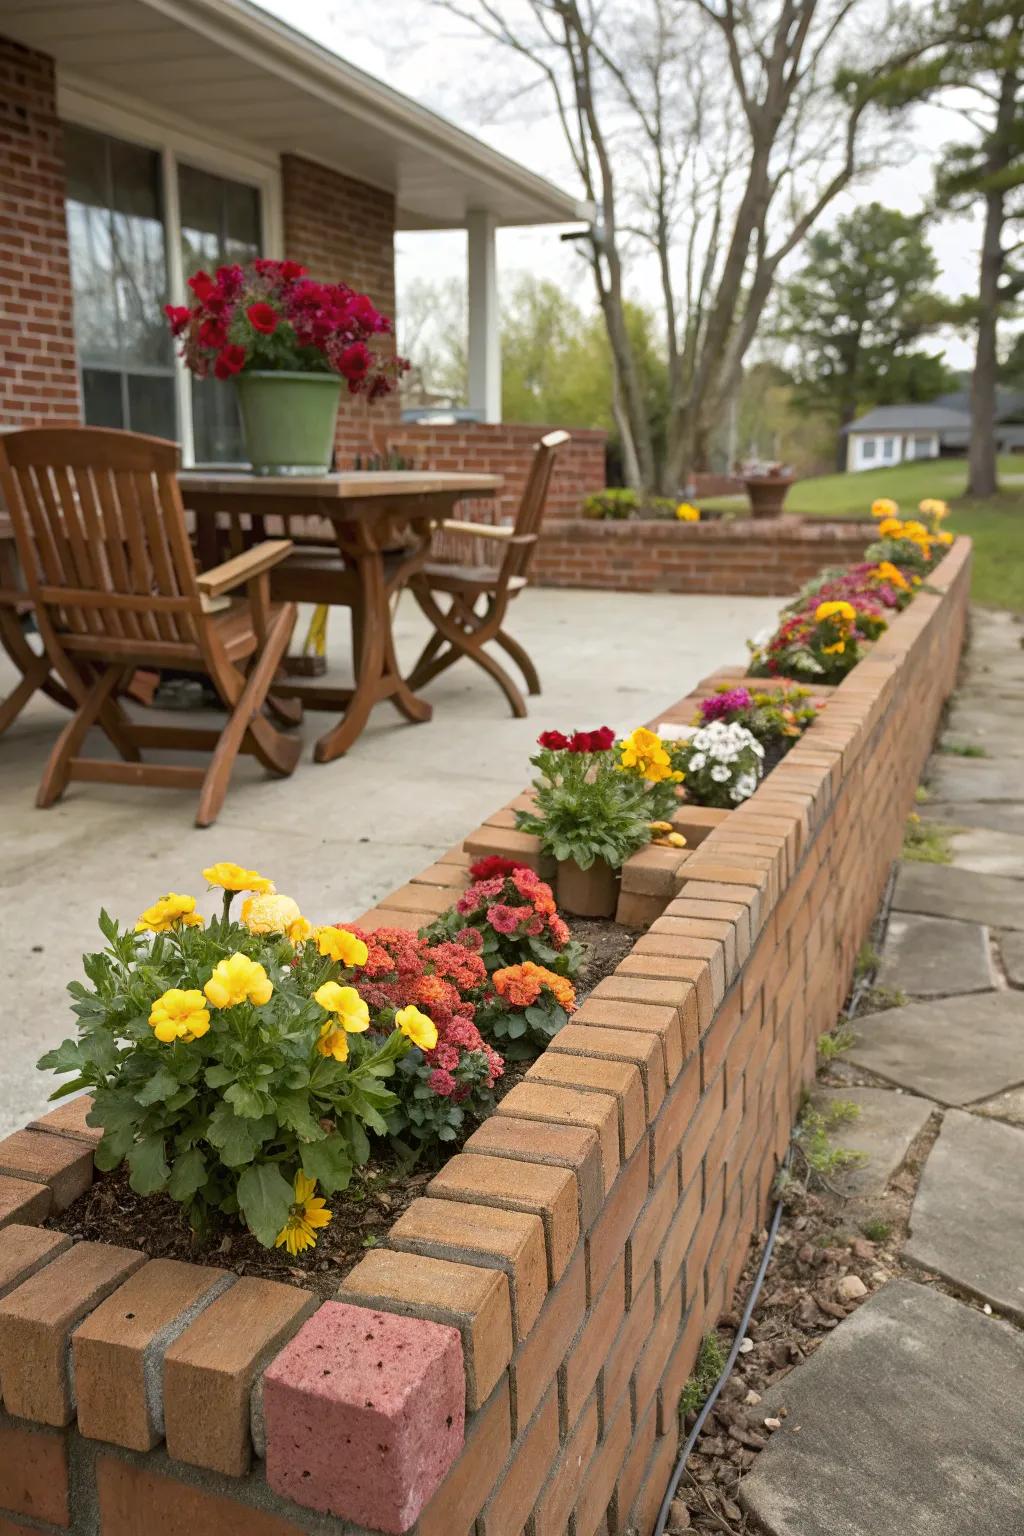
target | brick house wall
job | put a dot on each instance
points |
(38, 374)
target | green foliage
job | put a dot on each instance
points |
(522, 1033)
(855, 311)
(618, 504)
(709, 1367)
(222, 1119)
(722, 763)
(876, 1230)
(778, 717)
(880, 999)
(926, 842)
(836, 1041)
(961, 749)
(587, 809)
(868, 960)
(812, 1137)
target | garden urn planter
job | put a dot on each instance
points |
(288, 420)
(589, 892)
(767, 494)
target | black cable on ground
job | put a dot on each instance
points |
(712, 1398)
(878, 930)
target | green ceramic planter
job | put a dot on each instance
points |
(288, 420)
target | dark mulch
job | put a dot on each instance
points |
(111, 1211)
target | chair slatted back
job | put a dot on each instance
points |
(531, 508)
(101, 532)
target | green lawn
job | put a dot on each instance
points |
(996, 525)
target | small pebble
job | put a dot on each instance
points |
(987, 1310)
(851, 1288)
(746, 1346)
(752, 1398)
(773, 1423)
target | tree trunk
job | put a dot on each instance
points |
(982, 476)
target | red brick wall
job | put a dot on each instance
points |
(38, 374)
(741, 556)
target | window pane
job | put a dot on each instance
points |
(151, 405)
(92, 260)
(101, 398)
(140, 261)
(220, 224)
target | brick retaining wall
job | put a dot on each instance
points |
(736, 555)
(514, 1356)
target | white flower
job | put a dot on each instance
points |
(721, 774)
(696, 762)
(668, 731)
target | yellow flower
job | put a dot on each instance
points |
(883, 507)
(232, 877)
(308, 1212)
(932, 508)
(687, 513)
(299, 931)
(170, 912)
(345, 1003)
(834, 650)
(238, 980)
(333, 1041)
(846, 613)
(179, 1015)
(645, 751)
(419, 1029)
(943, 537)
(891, 574)
(890, 528)
(270, 914)
(341, 945)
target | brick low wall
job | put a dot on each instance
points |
(514, 1357)
(741, 556)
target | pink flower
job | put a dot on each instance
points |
(442, 1083)
(506, 919)
(470, 938)
(558, 930)
(535, 925)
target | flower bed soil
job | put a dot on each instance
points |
(110, 1211)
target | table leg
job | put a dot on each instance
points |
(370, 668)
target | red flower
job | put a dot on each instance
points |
(213, 334)
(603, 739)
(178, 317)
(354, 363)
(263, 318)
(203, 286)
(291, 271)
(553, 741)
(229, 362)
(493, 864)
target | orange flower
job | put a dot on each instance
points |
(521, 985)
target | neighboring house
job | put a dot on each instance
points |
(140, 140)
(892, 434)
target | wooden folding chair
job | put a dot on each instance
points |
(101, 534)
(463, 629)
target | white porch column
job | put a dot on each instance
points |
(484, 325)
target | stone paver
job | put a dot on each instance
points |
(934, 956)
(908, 1421)
(966, 1221)
(883, 1131)
(996, 815)
(1004, 1106)
(939, 890)
(987, 852)
(954, 1051)
(1011, 950)
(972, 778)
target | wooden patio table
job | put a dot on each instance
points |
(381, 524)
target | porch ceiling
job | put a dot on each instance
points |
(231, 68)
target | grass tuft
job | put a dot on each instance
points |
(926, 842)
(876, 1230)
(838, 1040)
(961, 749)
(710, 1365)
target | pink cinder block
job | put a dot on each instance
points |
(365, 1413)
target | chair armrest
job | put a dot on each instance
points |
(244, 567)
(478, 530)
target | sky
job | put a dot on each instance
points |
(438, 66)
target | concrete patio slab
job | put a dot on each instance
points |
(883, 1132)
(989, 853)
(907, 1421)
(996, 815)
(335, 836)
(1008, 1106)
(934, 956)
(954, 1051)
(1011, 952)
(965, 1224)
(939, 890)
(972, 778)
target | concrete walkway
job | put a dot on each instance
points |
(337, 836)
(910, 1417)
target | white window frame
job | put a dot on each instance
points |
(888, 449)
(123, 118)
(866, 444)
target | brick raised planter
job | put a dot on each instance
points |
(517, 1350)
(728, 555)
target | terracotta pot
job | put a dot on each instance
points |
(767, 494)
(589, 892)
